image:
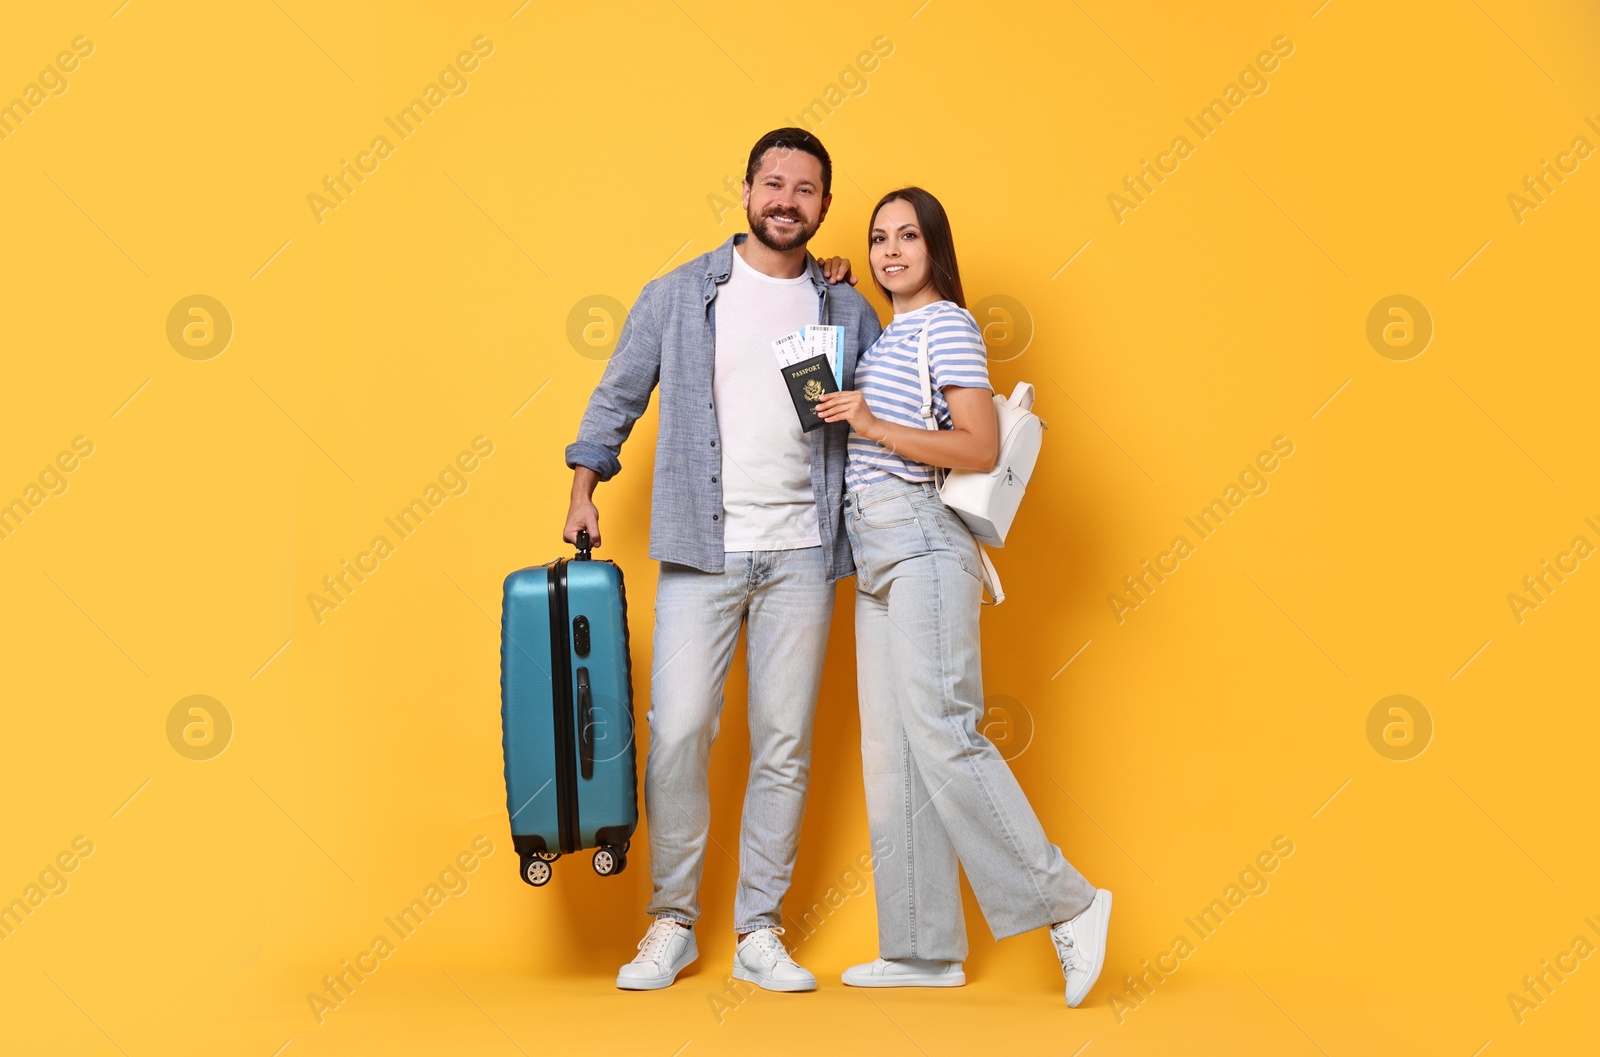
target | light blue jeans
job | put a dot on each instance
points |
(937, 789)
(785, 602)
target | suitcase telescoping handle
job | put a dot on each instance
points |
(583, 545)
(585, 724)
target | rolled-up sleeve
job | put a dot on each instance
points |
(624, 390)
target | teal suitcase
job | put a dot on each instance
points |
(566, 709)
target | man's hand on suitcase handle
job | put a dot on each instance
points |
(581, 512)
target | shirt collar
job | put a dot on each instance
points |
(918, 314)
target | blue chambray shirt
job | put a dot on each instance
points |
(669, 339)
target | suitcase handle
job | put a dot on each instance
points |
(585, 724)
(583, 546)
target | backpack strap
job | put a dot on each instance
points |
(991, 578)
(929, 419)
(926, 411)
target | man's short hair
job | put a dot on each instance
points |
(790, 139)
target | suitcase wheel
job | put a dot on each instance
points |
(536, 870)
(547, 856)
(608, 861)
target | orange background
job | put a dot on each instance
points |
(1169, 345)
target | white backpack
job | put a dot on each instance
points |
(987, 501)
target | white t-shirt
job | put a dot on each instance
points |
(768, 502)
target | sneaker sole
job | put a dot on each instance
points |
(1100, 960)
(932, 980)
(741, 973)
(691, 954)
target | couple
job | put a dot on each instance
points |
(753, 520)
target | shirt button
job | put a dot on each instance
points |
(713, 480)
(713, 444)
(715, 517)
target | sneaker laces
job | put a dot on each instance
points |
(766, 942)
(1067, 948)
(655, 941)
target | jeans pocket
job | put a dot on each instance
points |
(884, 547)
(889, 512)
(955, 537)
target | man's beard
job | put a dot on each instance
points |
(783, 239)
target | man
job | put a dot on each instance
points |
(746, 522)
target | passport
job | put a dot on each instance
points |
(809, 381)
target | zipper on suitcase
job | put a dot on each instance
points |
(563, 707)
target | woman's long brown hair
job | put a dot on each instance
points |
(935, 227)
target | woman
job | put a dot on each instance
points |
(937, 789)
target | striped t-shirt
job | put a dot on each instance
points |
(887, 376)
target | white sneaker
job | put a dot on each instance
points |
(663, 953)
(762, 959)
(1081, 946)
(905, 972)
